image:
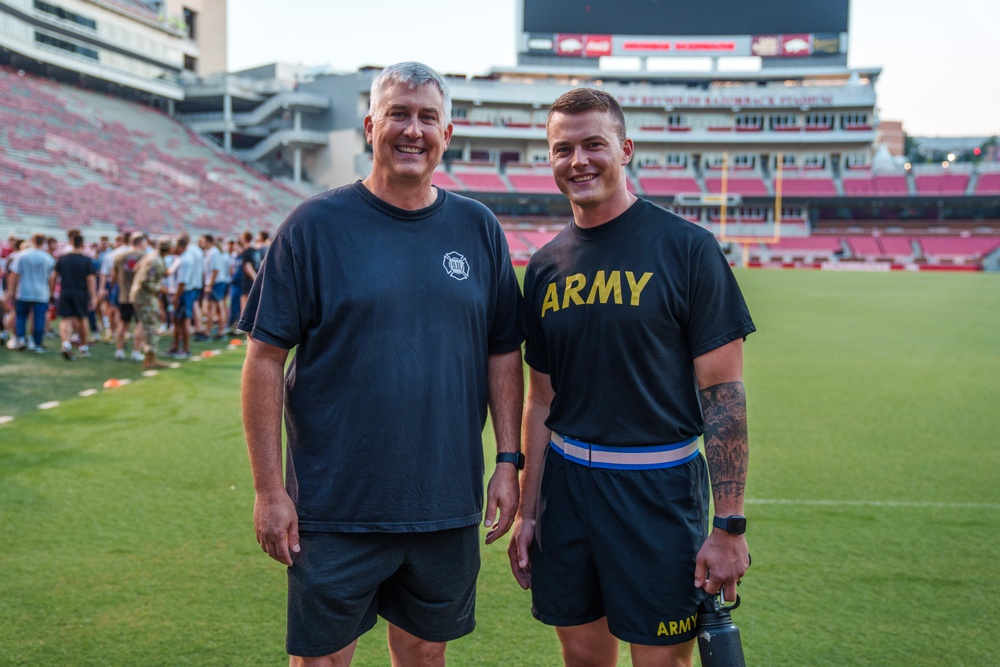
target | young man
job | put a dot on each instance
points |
(147, 287)
(402, 303)
(187, 271)
(77, 295)
(216, 286)
(249, 266)
(122, 273)
(631, 298)
(29, 291)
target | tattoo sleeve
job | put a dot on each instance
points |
(726, 446)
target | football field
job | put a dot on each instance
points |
(873, 501)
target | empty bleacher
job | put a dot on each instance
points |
(957, 250)
(532, 179)
(478, 177)
(666, 182)
(988, 183)
(806, 183)
(70, 158)
(943, 183)
(867, 184)
(443, 180)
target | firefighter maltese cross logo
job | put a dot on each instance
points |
(456, 266)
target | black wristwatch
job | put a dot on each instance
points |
(735, 524)
(517, 458)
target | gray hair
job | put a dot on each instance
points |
(410, 74)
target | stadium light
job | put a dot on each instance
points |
(951, 157)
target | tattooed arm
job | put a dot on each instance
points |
(723, 558)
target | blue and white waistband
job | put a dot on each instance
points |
(625, 458)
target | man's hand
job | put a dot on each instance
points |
(277, 526)
(502, 494)
(722, 560)
(517, 551)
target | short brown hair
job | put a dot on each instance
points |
(582, 100)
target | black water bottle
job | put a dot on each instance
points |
(719, 642)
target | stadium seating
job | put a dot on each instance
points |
(70, 158)
(535, 183)
(942, 184)
(958, 250)
(806, 183)
(659, 182)
(479, 178)
(748, 186)
(988, 184)
(867, 184)
(444, 181)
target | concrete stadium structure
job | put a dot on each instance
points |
(783, 163)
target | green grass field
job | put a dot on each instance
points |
(873, 500)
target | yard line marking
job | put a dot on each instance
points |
(6, 419)
(48, 405)
(915, 504)
(88, 392)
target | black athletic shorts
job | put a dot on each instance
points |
(73, 303)
(125, 310)
(620, 544)
(424, 583)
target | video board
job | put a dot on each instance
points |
(766, 28)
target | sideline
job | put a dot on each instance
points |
(115, 383)
(907, 504)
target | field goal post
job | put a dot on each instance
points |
(723, 198)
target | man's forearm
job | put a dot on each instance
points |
(506, 396)
(262, 399)
(535, 436)
(726, 444)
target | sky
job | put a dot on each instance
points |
(940, 60)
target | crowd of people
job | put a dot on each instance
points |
(130, 290)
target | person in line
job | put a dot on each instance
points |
(250, 264)
(77, 296)
(147, 287)
(401, 303)
(186, 271)
(28, 292)
(216, 287)
(122, 273)
(611, 535)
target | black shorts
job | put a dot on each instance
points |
(73, 303)
(125, 310)
(620, 544)
(424, 583)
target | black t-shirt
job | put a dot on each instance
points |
(616, 315)
(73, 269)
(394, 314)
(250, 256)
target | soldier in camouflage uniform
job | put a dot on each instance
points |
(147, 286)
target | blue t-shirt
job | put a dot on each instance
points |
(33, 267)
(616, 315)
(394, 314)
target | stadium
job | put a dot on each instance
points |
(788, 165)
(873, 397)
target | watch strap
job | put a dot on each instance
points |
(517, 458)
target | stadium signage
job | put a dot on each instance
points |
(584, 45)
(701, 101)
(797, 46)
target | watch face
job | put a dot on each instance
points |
(737, 524)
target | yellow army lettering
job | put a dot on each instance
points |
(603, 288)
(671, 628)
